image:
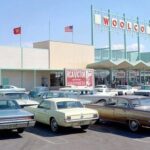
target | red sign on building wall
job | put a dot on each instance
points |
(79, 77)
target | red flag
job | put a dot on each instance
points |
(69, 29)
(17, 30)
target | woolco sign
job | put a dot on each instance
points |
(120, 23)
(79, 77)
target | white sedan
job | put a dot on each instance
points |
(11, 88)
(65, 112)
(22, 98)
(125, 90)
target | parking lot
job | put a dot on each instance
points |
(105, 137)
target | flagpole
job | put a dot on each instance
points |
(20, 37)
(20, 40)
(49, 27)
(72, 36)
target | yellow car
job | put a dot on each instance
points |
(65, 112)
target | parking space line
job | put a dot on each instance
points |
(63, 141)
(142, 141)
(45, 140)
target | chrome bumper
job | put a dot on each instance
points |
(15, 125)
(79, 120)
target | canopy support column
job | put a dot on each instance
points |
(144, 76)
(21, 79)
(140, 76)
(0, 77)
(34, 78)
(111, 75)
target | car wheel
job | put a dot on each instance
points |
(20, 130)
(84, 127)
(133, 125)
(54, 125)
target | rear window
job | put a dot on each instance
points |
(18, 95)
(69, 104)
(141, 102)
(8, 104)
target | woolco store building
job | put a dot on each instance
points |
(56, 64)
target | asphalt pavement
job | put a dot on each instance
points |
(108, 136)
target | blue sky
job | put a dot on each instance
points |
(34, 16)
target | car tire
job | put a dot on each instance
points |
(84, 127)
(54, 125)
(133, 125)
(20, 130)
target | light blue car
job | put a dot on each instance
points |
(12, 117)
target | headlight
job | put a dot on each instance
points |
(95, 116)
(68, 118)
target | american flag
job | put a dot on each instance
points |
(69, 29)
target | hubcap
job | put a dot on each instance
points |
(134, 125)
(54, 125)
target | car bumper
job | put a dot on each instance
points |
(80, 122)
(15, 125)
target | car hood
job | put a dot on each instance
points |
(144, 108)
(76, 111)
(14, 113)
(26, 102)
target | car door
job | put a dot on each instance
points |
(121, 110)
(107, 111)
(43, 112)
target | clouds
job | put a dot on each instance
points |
(130, 47)
(134, 47)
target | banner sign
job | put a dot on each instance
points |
(119, 74)
(133, 74)
(121, 24)
(79, 77)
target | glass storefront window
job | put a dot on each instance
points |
(102, 77)
(57, 78)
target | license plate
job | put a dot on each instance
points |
(13, 126)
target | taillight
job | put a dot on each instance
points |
(95, 116)
(68, 118)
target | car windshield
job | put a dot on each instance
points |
(8, 104)
(145, 102)
(69, 104)
(145, 87)
(40, 89)
(141, 102)
(22, 96)
(56, 95)
(121, 87)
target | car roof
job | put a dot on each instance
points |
(61, 99)
(13, 92)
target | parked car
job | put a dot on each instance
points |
(65, 112)
(131, 110)
(125, 90)
(53, 94)
(101, 86)
(13, 117)
(11, 88)
(37, 90)
(78, 90)
(144, 90)
(105, 92)
(22, 98)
